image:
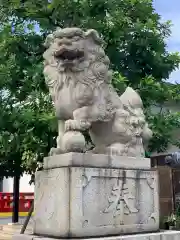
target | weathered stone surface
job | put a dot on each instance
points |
(86, 202)
(52, 196)
(24, 237)
(165, 235)
(76, 70)
(95, 160)
(29, 237)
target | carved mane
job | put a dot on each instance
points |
(94, 75)
(96, 64)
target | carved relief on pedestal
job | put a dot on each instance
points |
(108, 198)
(120, 202)
(86, 179)
(95, 201)
(151, 182)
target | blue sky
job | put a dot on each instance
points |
(170, 10)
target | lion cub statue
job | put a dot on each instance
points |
(76, 70)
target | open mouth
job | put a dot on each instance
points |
(67, 55)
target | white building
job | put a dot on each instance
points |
(25, 187)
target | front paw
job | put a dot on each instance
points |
(74, 125)
(71, 125)
(55, 151)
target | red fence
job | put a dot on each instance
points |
(6, 202)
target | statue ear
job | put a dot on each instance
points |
(131, 98)
(49, 40)
(91, 33)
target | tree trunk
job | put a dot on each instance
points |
(28, 218)
(15, 215)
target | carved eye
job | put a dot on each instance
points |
(76, 38)
(69, 37)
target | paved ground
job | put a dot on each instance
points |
(9, 220)
(7, 231)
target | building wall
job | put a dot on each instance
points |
(24, 184)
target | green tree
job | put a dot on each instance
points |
(135, 42)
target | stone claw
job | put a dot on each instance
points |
(71, 125)
(55, 151)
(74, 125)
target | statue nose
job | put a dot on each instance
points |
(65, 41)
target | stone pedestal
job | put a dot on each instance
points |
(164, 235)
(85, 195)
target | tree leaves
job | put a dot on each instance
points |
(135, 40)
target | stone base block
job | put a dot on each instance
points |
(96, 160)
(167, 235)
(89, 202)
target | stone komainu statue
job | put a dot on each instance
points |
(76, 71)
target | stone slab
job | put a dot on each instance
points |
(166, 235)
(95, 160)
(89, 202)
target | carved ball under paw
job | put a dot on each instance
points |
(73, 141)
